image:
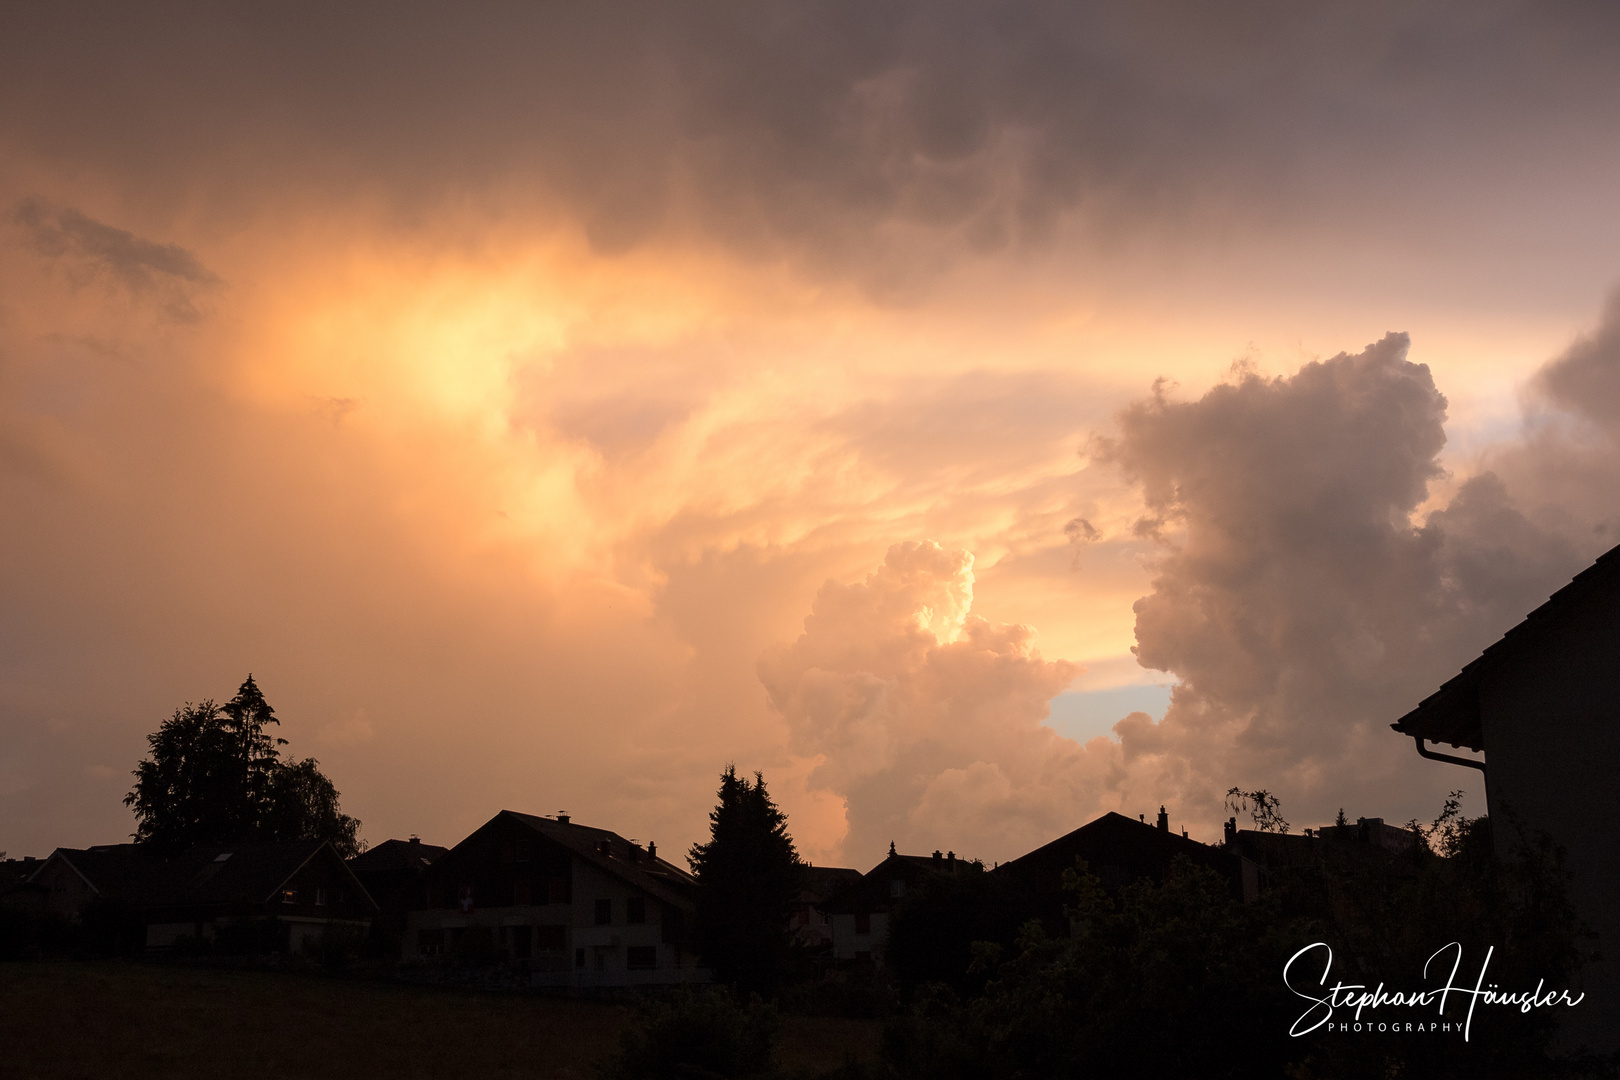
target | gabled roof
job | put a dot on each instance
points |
(1113, 840)
(871, 892)
(213, 874)
(821, 882)
(391, 855)
(1451, 714)
(610, 853)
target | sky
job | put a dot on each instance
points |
(974, 417)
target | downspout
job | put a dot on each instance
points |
(1432, 756)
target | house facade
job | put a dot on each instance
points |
(858, 913)
(567, 904)
(391, 872)
(810, 924)
(1543, 706)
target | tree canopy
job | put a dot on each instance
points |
(748, 875)
(215, 776)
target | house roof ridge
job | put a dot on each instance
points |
(1516, 636)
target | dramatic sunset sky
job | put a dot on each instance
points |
(975, 416)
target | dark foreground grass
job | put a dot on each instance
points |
(118, 1020)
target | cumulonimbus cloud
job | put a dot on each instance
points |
(927, 717)
(1299, 595)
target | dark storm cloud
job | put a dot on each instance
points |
(166, 275)
(822, 127)
(1300, 606)
(1585, 380)
(133, 260)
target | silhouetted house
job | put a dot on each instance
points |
(859, 911)
(16, 872)
(17, 890)
(1364, 836)
(1543, 705)
(391, 872)
(1118, 851)
(220, 893)
(572, 905)
(811, 925)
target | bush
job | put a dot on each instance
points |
(694, 1035)
(863, 991)
(337, 946)
(29, 934)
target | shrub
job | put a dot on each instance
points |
(694, 1034)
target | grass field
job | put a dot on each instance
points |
(115, 1020)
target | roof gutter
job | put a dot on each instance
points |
(1432, 756)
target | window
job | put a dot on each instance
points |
(289, 895)
(522, 894)
(635, 911)
(863, 923)
(522, 942)
(604, 912)
(549, 937)
(897, 887)
(430, 942)
(579, 958)
(559, 889)
(641, 957)
(320, 896)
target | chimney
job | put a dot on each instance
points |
(1164, 820)
(937, 855)
(415, 839)
(562, 817)
(950, 859)
(1231, 831)
(1184, 834)
(1142, 818)
(652, 850)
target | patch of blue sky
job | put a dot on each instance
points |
(1082, 715)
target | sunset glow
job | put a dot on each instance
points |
(552, 435)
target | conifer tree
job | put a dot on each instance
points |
(748, 875)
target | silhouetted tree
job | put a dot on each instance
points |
(215, 777)
(934, 927)
(1263, 806)
(748, 876)
(1178, 978)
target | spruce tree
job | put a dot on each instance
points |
(748, 876)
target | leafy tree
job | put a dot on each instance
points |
(214, 776)
(1177, 978)
(748, 875)
(303, 805)
(935, 926)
